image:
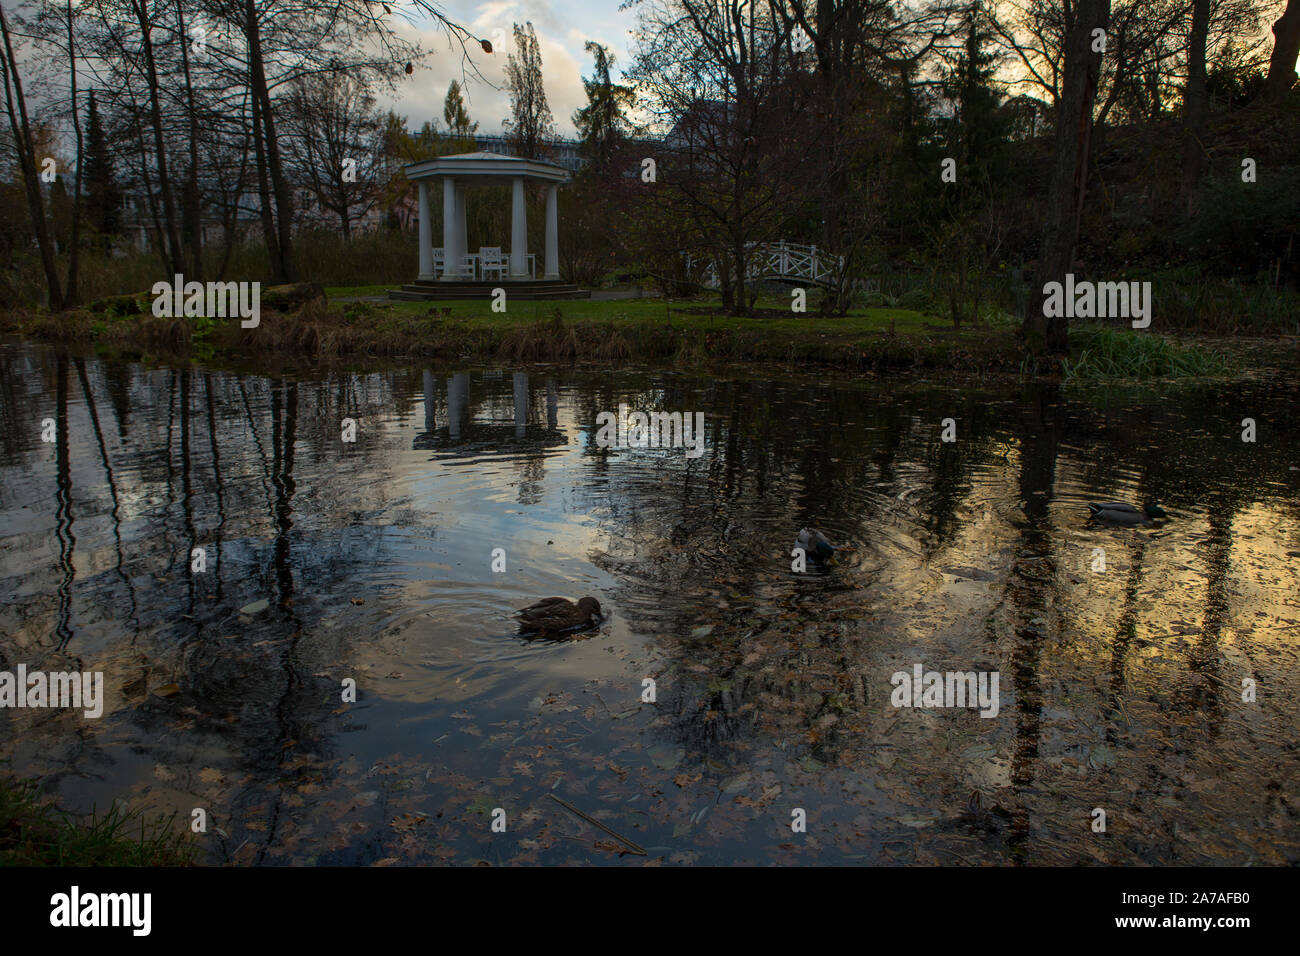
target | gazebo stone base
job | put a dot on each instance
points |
(428, 291)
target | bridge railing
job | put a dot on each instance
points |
(791, 261)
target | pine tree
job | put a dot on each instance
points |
(103, 197)
(978, 130)
(602, 123)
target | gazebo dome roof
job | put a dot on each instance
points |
(486, 166)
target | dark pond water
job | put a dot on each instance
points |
(372, 561)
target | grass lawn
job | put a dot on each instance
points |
(703, 313)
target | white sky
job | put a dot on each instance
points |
(562, 27)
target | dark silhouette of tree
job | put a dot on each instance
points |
(1074, 122)
(103, 195)
(602, 124)
(1195, 103)
(977, 130)
(24, 146)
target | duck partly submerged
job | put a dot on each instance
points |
(815, 545)
(557, 615)
(1119, 512)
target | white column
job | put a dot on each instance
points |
(462, 235)
(457, 402)
(519, 233)
(426, 233)
(552, 234)
(451, 258)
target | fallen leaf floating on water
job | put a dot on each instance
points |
(168, 690)
(358, 601)
(256, 607)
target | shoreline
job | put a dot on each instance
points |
(313, 333)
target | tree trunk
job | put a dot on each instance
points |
(74, 252)
(191, 213)
(264, 191)
(1194, 103)
(282, 264)
(1069, 175)
(1286, 47)
(23, 145)
(175, 262)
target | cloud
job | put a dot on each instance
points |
(421, 96)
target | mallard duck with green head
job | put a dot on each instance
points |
(1120, 512)
(556, 615)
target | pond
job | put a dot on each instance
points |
(727, 709)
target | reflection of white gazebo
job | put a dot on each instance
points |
(468, 169)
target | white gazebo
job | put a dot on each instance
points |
(468, 169)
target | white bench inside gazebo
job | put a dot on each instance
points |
(454, 262)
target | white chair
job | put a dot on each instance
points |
(491, 260)
(439, 260)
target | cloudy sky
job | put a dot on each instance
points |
(562, 26)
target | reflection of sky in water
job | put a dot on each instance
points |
(374, 559)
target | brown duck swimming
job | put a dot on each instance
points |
(556, 615)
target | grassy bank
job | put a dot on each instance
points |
(642, 331)
(35, 833)
(349, 328)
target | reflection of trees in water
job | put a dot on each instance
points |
(708, 541)
(1031, 583)
(115, 514)
(163, 486)
(63, 513)
(694, 541)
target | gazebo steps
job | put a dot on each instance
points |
(424, 290)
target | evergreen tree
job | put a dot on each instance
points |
(103, 198)
(601, 123)
(977, 131)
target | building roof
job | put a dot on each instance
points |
(486, 166)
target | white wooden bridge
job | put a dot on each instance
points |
(782, 261)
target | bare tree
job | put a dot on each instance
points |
(334, 137)
(20, 125)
